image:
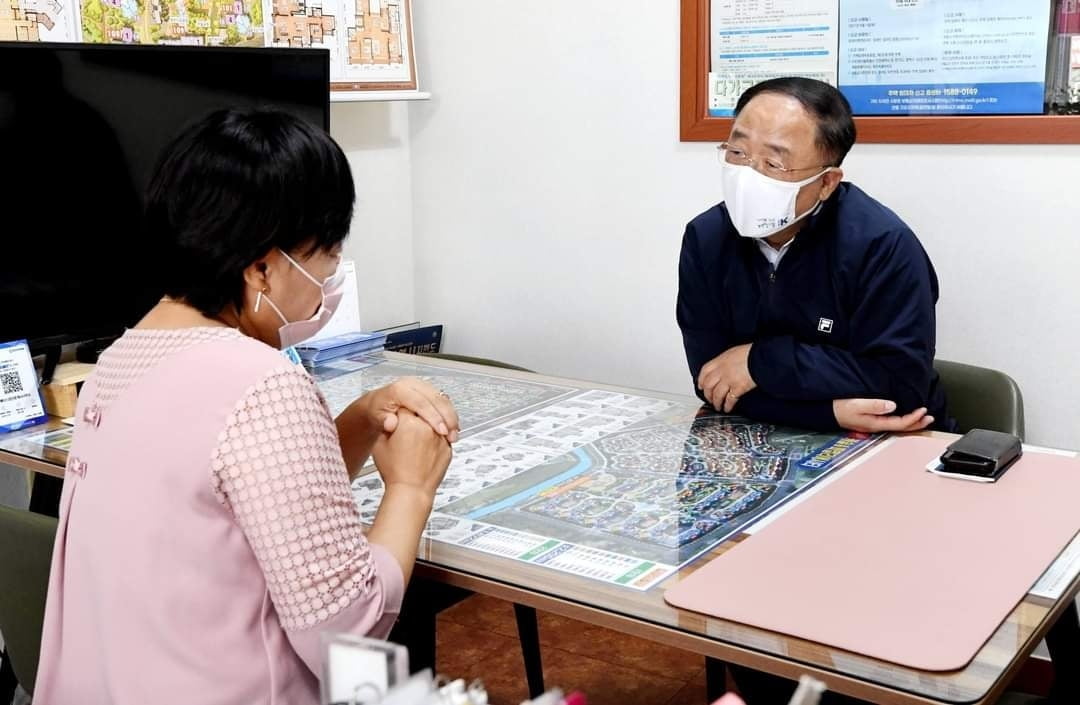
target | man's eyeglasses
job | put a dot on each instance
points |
(769, 166)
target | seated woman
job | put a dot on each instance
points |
(207, 533)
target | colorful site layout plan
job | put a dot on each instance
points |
(618, 487)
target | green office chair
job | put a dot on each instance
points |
(527, 625)
(26, 545)
(982, 398)
(475, 361)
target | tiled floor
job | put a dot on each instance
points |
(478, 639)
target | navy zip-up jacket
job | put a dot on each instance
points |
(847, 313)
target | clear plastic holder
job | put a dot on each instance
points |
(360, 671)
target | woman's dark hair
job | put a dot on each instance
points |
(827, 105)
(236, 185)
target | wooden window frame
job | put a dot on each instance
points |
(695, 125)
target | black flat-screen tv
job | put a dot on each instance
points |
(81, 128)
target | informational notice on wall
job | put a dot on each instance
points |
(754, 40)
(943, 57)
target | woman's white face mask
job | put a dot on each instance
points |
(760, 206)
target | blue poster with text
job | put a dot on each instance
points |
(943, 57)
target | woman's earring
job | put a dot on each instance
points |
(258, 299)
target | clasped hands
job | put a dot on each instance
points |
(387, 406)
(407, 426)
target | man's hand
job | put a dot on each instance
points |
(726, 377)
(875, 416)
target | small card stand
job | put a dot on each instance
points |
(21, 403)
(360, 671)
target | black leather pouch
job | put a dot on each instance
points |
(981, 454)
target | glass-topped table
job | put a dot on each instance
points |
(588, 500)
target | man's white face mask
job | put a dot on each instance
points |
(760, 206)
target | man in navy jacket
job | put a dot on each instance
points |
(802, 300)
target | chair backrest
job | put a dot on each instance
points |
(475, 361)
(979, 397)
(26, 545)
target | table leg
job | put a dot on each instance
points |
(415, 628)
(529, 635)
(715, 679)
(45, 495)
(1063, 642)
(7, 679)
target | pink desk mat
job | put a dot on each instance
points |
(896, 563)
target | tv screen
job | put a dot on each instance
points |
(81, 128)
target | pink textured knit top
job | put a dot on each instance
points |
(207, 531)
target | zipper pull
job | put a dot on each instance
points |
(772, 275)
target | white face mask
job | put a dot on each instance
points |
(760, 206)
(294, 332)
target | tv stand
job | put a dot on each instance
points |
(50, 347)
(92, 349)
(52, 359)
